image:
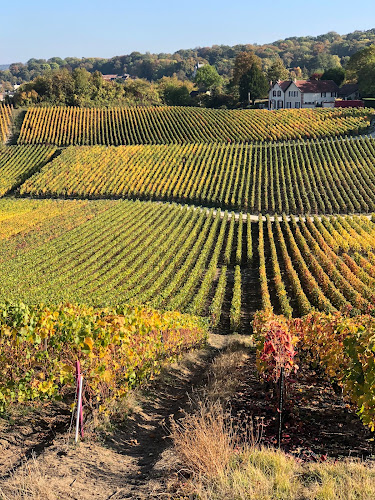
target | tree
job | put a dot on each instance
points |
(317, 75)
(277, 71)
(358, 61)
(243, 63)
(174, 92)
(141, 91)
(83, 87)
(336, 74)
(207, 77)
(176, 96)
(366, 80)
(255, 82)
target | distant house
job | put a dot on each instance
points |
(196, 67)
(302, 94)
(352, 103)
(110, 78)
(6, 93)
(349, 92)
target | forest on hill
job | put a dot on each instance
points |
(307, 53)
(215, 77)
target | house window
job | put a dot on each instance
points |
(288, 104)
(333, 94)
(274, 93)
(297, 105)
(280, 104)
(278, 93)
(324, 94)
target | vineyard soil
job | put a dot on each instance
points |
(136, 460)
(132, 460)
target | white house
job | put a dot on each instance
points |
(349, 92)
(196, 67)
(302, 94)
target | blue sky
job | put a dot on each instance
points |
(83, 28)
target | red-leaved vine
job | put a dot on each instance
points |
(275, 346)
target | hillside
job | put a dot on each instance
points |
(119, 253)
(308, 53)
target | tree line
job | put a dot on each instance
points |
(249, 80)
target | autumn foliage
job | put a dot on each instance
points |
(64, 126)
(118, 348)
(344, 348)
(275, 347)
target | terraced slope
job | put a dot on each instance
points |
(326, 176)
(167, 125)
(19, 162)
(186, 259)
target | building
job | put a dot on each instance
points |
(352, 103)
(302, 94)
(349, 92)
(196, 67)
(112, 78)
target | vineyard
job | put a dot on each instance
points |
(327, 264)
(342, 346)
(19, 162)
(118, 348)
(5, 121)
(177, 257)
(161, 255)
(168, 125)
(179, 209)
(326, 176)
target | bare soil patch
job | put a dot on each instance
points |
(132, 461)
(136, 459)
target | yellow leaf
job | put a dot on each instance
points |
(66, 370)
(107, 376)
(89, 342)
(45, 386)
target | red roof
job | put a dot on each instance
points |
(311, 86)
(109, 77)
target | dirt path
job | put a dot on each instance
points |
(129, 463)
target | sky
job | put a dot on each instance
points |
(83, 28)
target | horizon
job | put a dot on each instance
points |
(85, 29)
(187, 48)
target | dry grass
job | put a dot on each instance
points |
(224, 466)
(227, 464)
(223, 378)
(204, 440)
(28, 483)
